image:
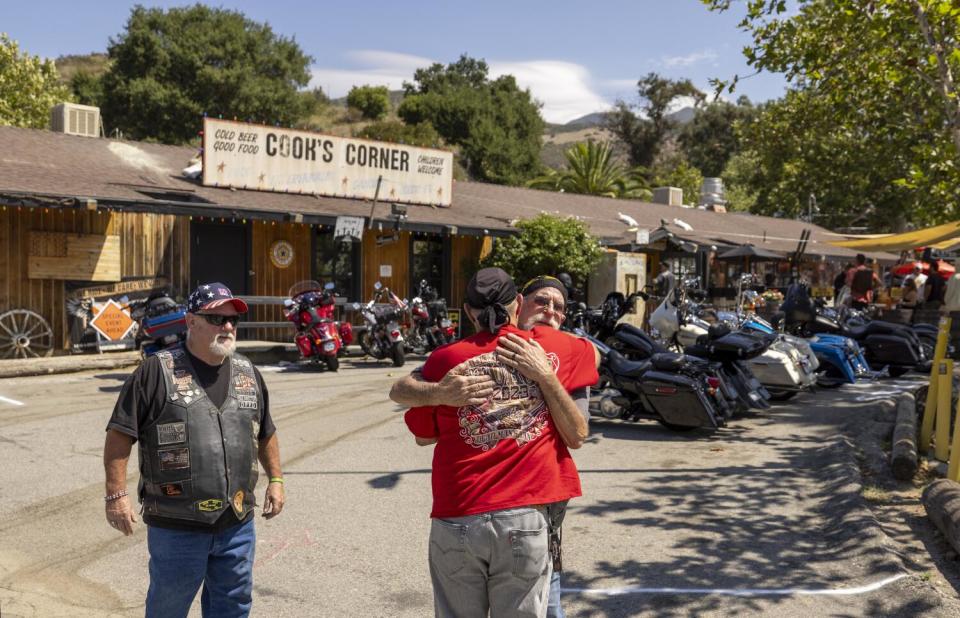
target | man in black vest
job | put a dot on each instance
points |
(201, 417)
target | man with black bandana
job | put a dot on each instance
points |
(200, 413)
(501, 456)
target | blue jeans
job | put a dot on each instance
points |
(554, 609)
(180, 561)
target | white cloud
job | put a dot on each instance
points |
(707, 55)
(564, 88)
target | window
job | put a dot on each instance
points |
(339, 262)
(427, 262)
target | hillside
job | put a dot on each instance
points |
(94, 63)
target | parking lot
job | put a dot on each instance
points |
(764, 517)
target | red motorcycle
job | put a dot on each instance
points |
(320, 338)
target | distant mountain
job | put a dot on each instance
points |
(597, 119)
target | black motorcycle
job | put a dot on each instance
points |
(381, 337)
(429, 324)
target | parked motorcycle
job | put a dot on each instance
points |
(382, 337)
(894, 346)
(161, 323)
(672, 389)
(319, 337)
(429, 326)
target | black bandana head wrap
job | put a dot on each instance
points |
(490, 291)
(544, 281)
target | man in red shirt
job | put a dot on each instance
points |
(863, 282)
(497, 463)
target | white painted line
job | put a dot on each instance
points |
(13, 401)
(737, 592)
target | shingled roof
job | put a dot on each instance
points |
(143, 176)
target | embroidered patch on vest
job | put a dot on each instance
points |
(174, 458)
(172, 489)
(211, 505)
(247, 401)
(171, 433)
(238, 503)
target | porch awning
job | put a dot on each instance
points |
(908, 240)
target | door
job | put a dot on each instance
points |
(218, 252)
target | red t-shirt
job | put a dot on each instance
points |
(507, 453)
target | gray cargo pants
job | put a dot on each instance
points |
(497, 562)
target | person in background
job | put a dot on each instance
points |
(934, 287)
(863, 283)
(909, 300)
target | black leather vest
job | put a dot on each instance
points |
(197, 460)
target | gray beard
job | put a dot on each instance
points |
(226, 348)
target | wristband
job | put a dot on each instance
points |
(116, 496)
(276, 479)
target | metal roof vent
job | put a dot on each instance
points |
(74, 119)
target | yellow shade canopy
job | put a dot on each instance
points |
(947, 233)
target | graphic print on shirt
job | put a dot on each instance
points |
(516, 410)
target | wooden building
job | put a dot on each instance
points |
(79, 213)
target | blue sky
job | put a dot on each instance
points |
(576, 57)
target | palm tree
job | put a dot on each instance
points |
(592, 171)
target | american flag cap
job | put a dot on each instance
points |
(212, 295)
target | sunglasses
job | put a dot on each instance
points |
(219, 320)
(543, 301)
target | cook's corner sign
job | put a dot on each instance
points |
(250, 156)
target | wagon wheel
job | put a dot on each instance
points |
(24, 334)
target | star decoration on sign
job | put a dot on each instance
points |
(262, 176)
(344, 181)
(393, 192)
(221, 167)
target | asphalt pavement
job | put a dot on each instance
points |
(764, 517)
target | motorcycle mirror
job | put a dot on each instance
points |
(356, 306)
(287, 302)
(377, 285)
(329, 286)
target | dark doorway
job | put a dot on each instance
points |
(429, 254)
(337, 261)
(218, 252)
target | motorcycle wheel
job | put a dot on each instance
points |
(396, 354)
(333, 363)
(366, 344)
(896, 372)
(782, 395)
(675, 427)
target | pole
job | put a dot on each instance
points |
(376, 194)
(941, 442)
(930, 409)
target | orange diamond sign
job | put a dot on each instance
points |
(112, 321)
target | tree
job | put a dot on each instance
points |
(169, 67)
(373, 102)
(644, 134)
(710, 139)
(593, 171)
(29, 87)
(422, 134)
(546, 245)
(881, 76)
(496, 125)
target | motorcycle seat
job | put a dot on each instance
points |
(668, 361)
(717, 330)
(626, 368)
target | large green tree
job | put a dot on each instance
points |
(710, 139)
(880, 76)
(644, 127)
(29, 87)
(373, 102)
(169, 67)
(496, 125)
(548, 245)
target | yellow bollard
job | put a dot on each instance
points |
(953, 470)
(930, 409)
(941, 441)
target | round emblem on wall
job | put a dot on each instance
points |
(281, 254)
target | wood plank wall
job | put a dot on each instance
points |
(269, 280)
(150, 245)
(464, 262)
(396, 254)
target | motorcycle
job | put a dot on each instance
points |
(319, 337)
(429, 326)
(672, 389)
(382, 337)
(161, 323)
(897, 347)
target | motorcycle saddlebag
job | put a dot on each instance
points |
(168, 324)
(678, 400)
(891, 350)
(736, 346)
(304, 345)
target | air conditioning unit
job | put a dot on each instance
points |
(75, 119)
